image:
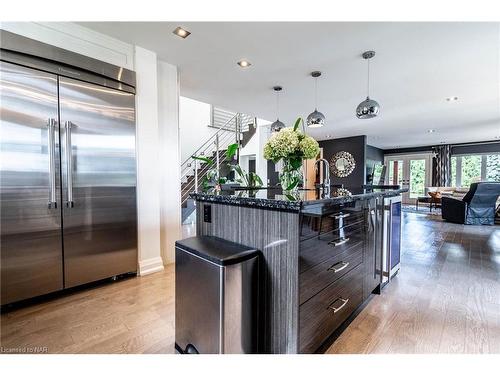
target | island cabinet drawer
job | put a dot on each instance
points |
(318, 250)
(315, 279)
(323, 314)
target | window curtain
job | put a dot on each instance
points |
(443, 166)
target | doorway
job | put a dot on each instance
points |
(412, 171)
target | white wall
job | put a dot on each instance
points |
(194, 118)
(148, 162)
(157, 141)
(77, 39)
(170, 194)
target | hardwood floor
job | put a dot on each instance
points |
(446, 299)
(135, 315)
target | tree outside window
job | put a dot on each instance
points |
(493, 167)
(471, 169)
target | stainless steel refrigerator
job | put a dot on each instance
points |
(67, 169)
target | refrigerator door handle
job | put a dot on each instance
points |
(52, 166)
(69, 164)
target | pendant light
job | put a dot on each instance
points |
(277, 125)
(368, 108)
(316, 119)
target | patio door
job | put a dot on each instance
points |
(412, 171)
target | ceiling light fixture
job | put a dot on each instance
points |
(368, 108)
(244, 63)
(183, 33)
(277, 125)
(431, 131)
(315, 119)
(452, 98)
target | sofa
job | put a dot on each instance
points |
(447, 191)
(478, 206)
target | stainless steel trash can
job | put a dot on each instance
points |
(216, 296)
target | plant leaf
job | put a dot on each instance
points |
(231, 150)
(297, 122)
(201, 158)
(296, 162)
(293, 184)
(255, 180)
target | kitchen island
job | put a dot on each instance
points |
(321, 256)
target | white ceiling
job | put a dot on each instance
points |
(417, 65)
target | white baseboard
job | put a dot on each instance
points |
(151, 265)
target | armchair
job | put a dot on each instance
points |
(476, 207)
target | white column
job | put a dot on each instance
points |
(148, 162)
(169, 163)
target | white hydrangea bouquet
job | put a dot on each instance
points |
(292, 147)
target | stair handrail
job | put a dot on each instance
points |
(226, 134)
(224, 140)
(212, 137)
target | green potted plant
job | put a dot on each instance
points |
(292, 147)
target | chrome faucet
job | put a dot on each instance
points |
(326, 176)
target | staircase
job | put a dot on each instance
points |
(231, 128)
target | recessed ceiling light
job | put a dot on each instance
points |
(431, 131)
(244, 63)
(452, 98)
(183, 33)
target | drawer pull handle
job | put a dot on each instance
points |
(338, 307)
(341, 216)
(339, 242)
(337, 267)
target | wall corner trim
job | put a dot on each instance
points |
(151, 265)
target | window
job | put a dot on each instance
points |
(417, 178)
(466, 169)
(471, 169)
(493, 167)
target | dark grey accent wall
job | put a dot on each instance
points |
(408, 150)
(458, 149)
(354, 145)
(476, 149)
(374, 153)
(272, 176)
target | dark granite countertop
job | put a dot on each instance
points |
(307, 200)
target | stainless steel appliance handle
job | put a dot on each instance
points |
(52, 166)
(335, 307)
(337, 267)
(69, 164)
(339, 241)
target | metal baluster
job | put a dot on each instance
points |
(195, 175)
(217, 157)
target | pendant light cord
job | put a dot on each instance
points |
(368, 81)
(278, 105)
(316, 93)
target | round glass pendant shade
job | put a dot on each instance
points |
(315, 120)
(367, 109)
(277, 126)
